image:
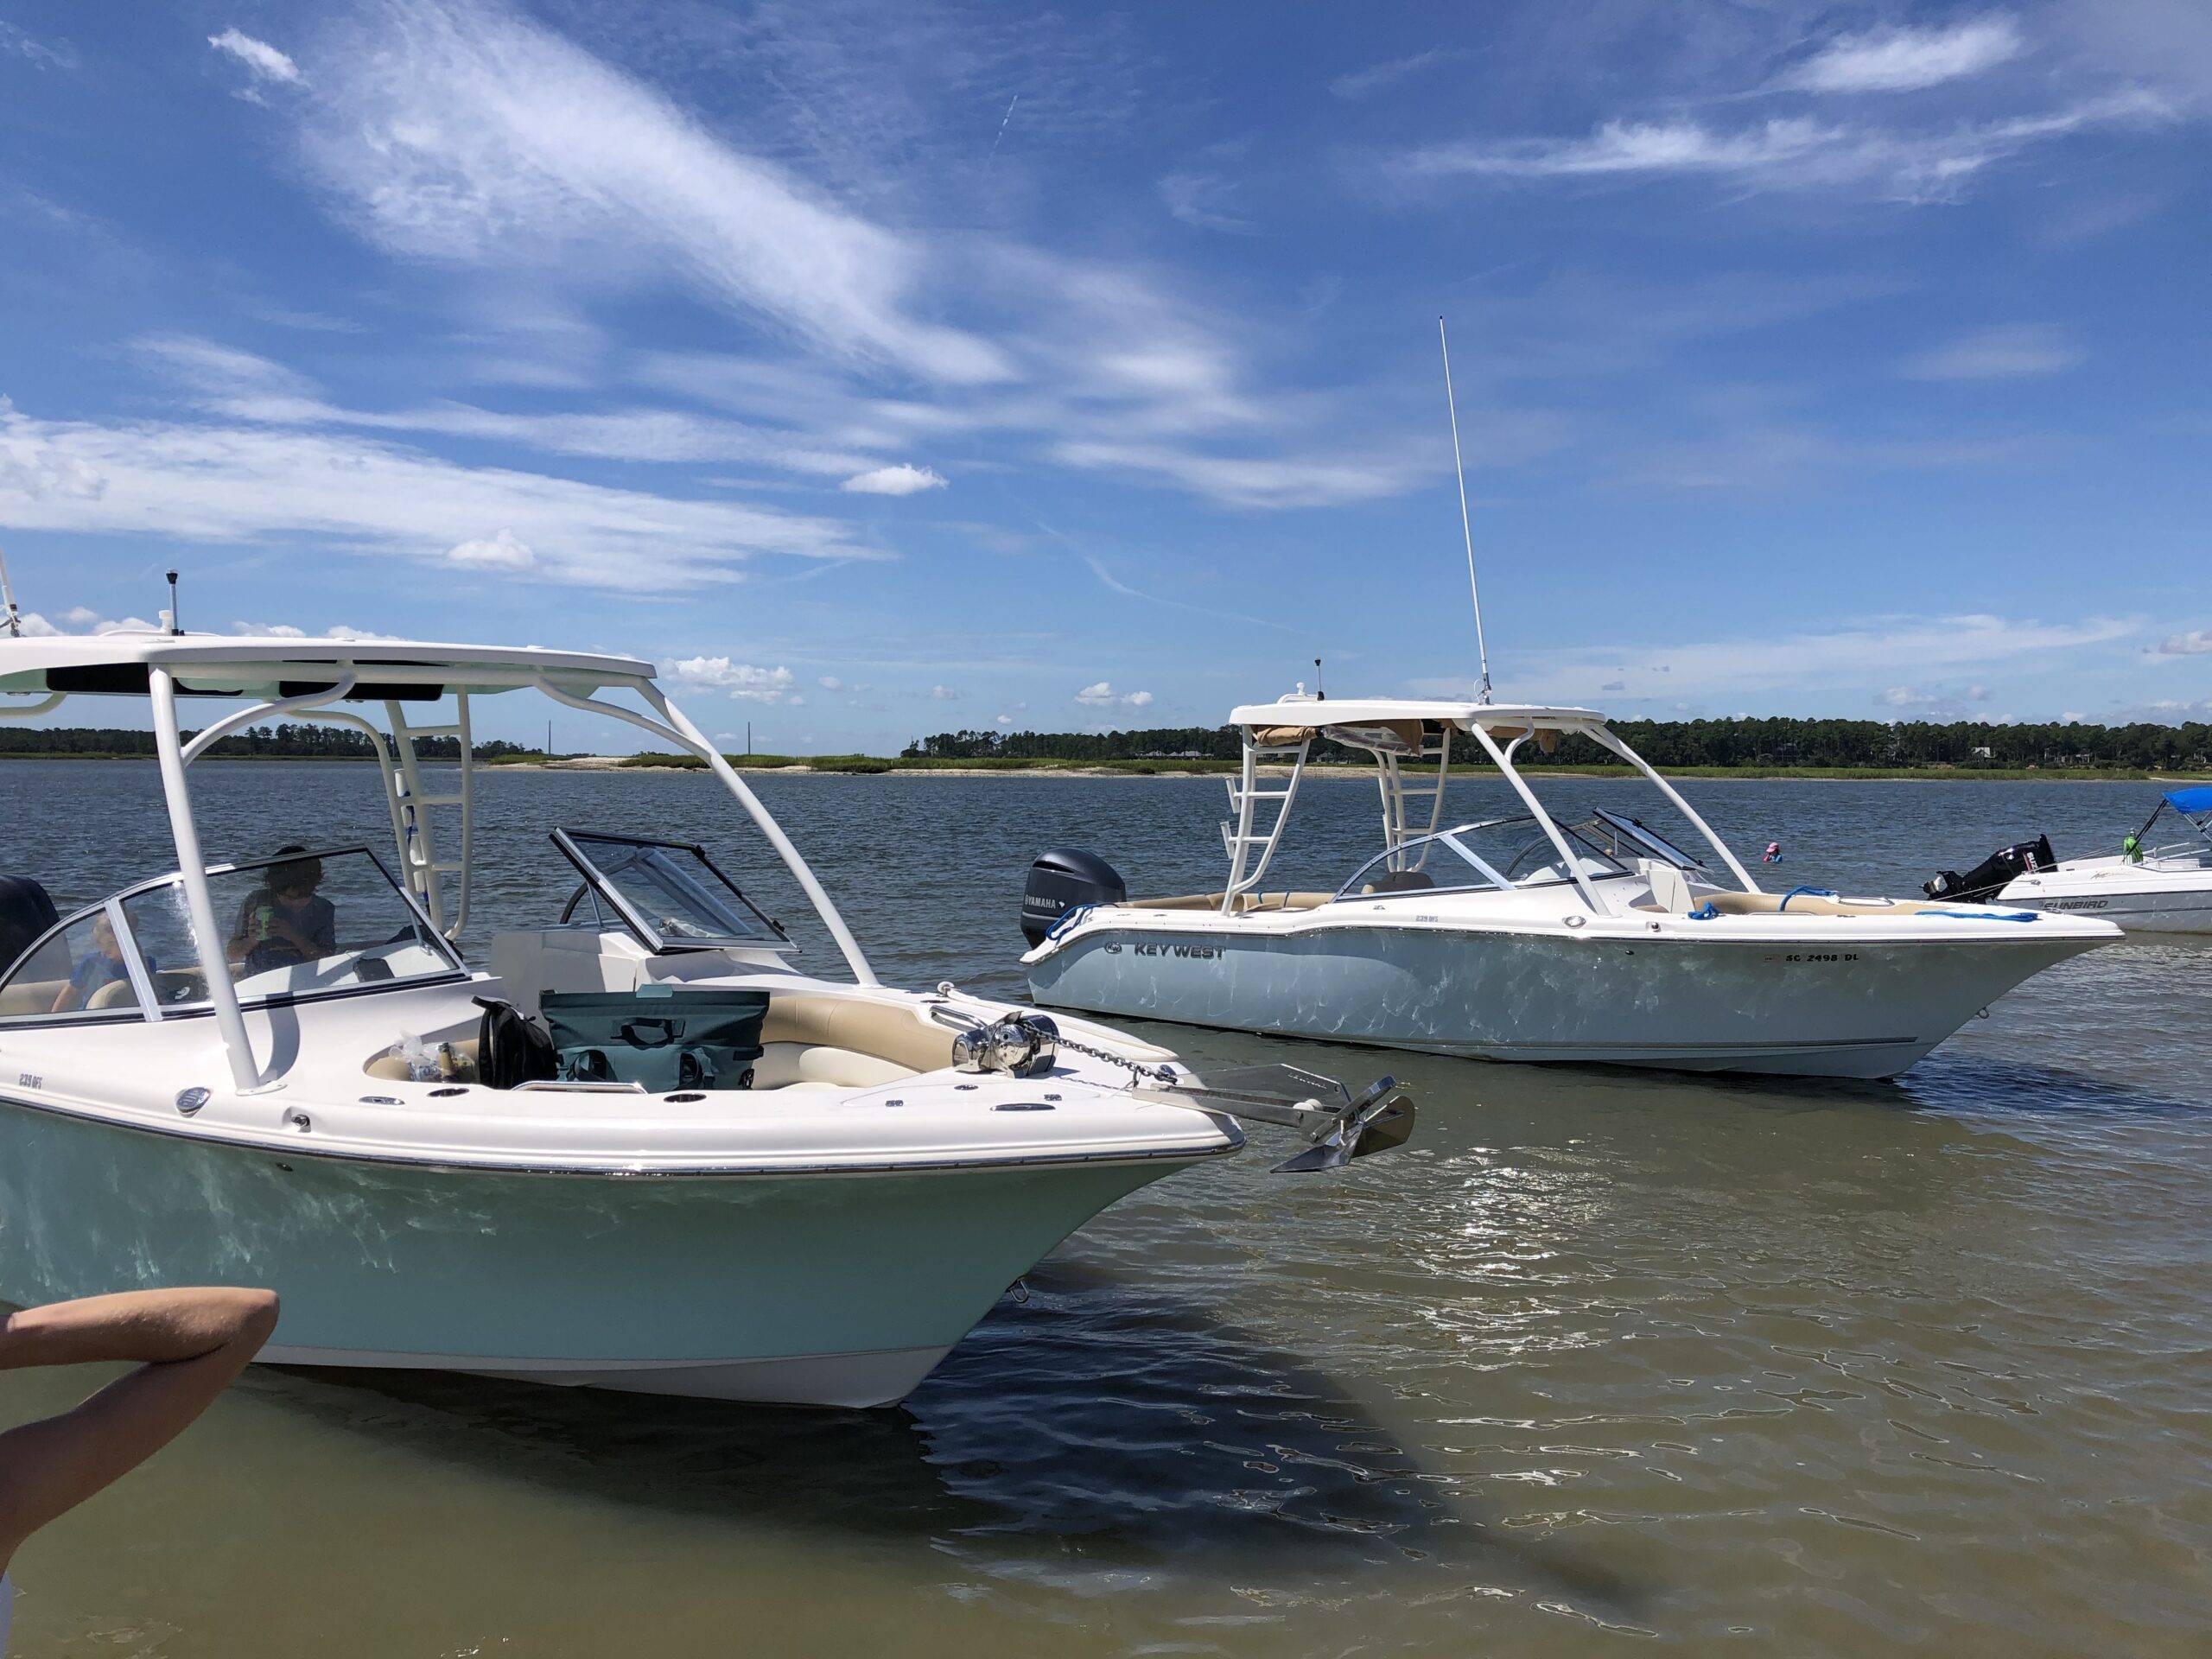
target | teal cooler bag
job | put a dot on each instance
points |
(664, 1041)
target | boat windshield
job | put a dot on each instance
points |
(1513, 852)
(669, 893)
(301, 925)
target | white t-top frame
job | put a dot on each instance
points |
(1499, 730)
(288, 677)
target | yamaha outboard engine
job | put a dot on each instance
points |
(1060, 881)
(1988, 879)
(25, 914)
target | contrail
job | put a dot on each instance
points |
(1001, 131)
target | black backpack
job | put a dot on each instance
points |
(510, 1049)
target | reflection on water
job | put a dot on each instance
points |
(1604, 1357)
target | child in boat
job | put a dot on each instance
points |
(101, 966)
(287, 921)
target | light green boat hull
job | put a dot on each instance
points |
(826, 1289)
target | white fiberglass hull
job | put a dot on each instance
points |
(1846, 1009)
(2140, 898)
(827, 1289)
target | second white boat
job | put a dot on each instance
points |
(1524, 936)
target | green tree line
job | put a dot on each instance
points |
(285, 740)
(1780, 741)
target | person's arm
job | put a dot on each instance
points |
(194, 1342)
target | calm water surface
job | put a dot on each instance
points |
(1603, 1359)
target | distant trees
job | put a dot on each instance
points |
(286, 740)
(1967, 744)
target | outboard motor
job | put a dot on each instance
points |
(1988, 879)
(25, 914)
(1060, 881)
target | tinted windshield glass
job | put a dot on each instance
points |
(81, 971)
(671, 889)
(1492, 853)
(295, 926)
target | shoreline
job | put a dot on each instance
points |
(1143, 772)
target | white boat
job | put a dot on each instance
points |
(2142, 888)
(280, 1071)
(1527, 937)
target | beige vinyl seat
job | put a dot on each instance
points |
(808, 1038)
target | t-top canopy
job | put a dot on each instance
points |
(213, 664)
(1314, 713)
(2190, 800)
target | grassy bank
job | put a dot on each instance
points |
(867, 763)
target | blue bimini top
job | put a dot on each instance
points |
(2191, 800)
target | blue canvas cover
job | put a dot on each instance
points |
(2190, 800)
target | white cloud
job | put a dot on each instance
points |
(1373, 79)
(741, 680)
(2006, 353)
(2195, 643)
(503, 552)
(14, 42)
(1201, 201)
(467, 134)
(286, 631)
(455, 133)
(1941, 703)
(945, 693)
(1103, 695)
(1907, 59)
(1004, 720)
(228, 484)
(1787, 152)
(901, 479)
(830, 683)
(264, 61)
(81, 619)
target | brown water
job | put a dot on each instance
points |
(1604, 1358)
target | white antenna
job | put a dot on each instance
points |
(1466, 527)
(9, 613)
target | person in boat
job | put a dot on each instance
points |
(285, 921)
(189, 1343)
(101, 966)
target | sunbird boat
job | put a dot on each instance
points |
(646, 1151)
(2143, 888)
(1526, 936)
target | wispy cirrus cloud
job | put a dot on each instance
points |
(1793, 152)
(2021, 352)
(212, 482)
(1364, 83)
(448, 132)
(1909, 60)
(16, 42)
(264, 64)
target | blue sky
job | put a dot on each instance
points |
(884, 370)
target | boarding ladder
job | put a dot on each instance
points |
(1257, 815)
(1401, 800)
(429, 876)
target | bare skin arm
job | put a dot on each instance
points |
(194, 1343)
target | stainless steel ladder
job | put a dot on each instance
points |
(1399, 796)
(414, 809)
(1240, 838)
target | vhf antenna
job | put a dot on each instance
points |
(1466, 526)
(9, 613)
